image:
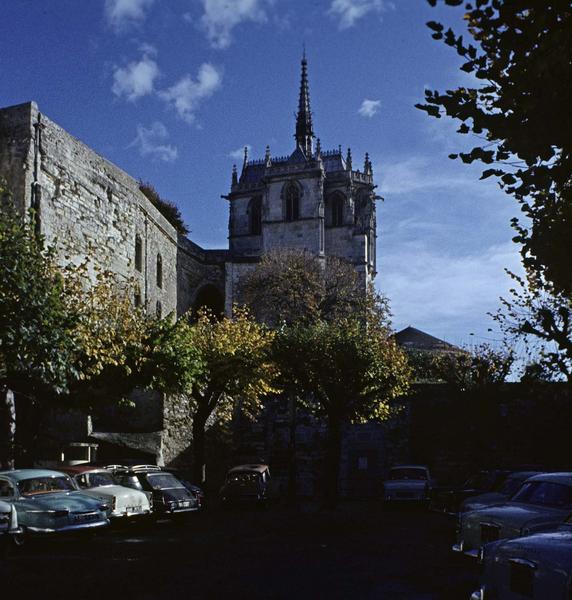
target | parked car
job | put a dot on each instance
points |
(538, 566)
(48, 502)
(503, 493)
(249, 482)
(8, 524)
(448, 499)
(124, 502)
(541, 504)
(170, 496)
(407, 483)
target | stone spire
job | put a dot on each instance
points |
(304, 129)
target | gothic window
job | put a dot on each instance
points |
(138, 253)
(335, 210)
(255, 216)
(291, 202)
(159, 271)
(159, 309)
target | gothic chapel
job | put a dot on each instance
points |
(312, 199)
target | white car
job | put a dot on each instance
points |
(123, 502)
(407, 483)
(538, 566)
(542, 504)
(8, 522)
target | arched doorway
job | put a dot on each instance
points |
(210, 297)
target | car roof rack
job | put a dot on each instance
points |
(145, 468)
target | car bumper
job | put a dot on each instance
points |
(459, 549)
(69, 528)
(127, 514)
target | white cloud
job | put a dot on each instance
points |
(150, 142)
(123, 14)
(443, 292)
(350, 11)
(186, 95)
(222, 16)
(369, 108)
(137, 78)
(238, 154)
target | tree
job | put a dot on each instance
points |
(535, 314)
(36, 345)
(523, 56)
(167, 208)
(290, 285)
(237, 371)
(483, 366)
(348, 370)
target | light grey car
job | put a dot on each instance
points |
(504, 493)
(407, 483)
(538, 566)
(541, 504)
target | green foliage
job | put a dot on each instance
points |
(351, 367)
(544, 320)
(522, 54)
(167, 208)
(482, 367)
(36, 342)
(293, 286)
(237, 364)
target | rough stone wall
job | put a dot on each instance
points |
(16, 151)
(197, 268)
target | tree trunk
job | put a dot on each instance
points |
(199, 466)
(332, 463)
(7, 459)
(292, 450)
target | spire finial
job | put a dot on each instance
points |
(267, 160)
(367, 165)
(318, 147)
(234, 176)
(245, 157)
(304, 129)
(349, 160)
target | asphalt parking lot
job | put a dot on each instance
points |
(357, 551)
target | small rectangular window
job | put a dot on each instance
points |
(138, 253)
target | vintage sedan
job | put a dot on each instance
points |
(407, 483)
(170, 496)
(124, 502)
(448, 499)
(541, 504)
(8, 524)
(250, 483)
(538, 566)
(503, 493)
(49, 502)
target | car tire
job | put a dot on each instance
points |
(20, 539)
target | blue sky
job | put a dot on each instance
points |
(171, 90)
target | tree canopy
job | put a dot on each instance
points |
(522, 54)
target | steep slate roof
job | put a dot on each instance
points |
(415, 339)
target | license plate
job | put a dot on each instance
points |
(184, 504)
(134, 509)
(87, 518)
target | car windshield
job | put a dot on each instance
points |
(162, 481)
(243, 477)
(402, 473)
(130, 481)
(544, 493)
(99, 479)
(45, 485)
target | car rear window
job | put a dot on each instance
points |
(45, 485)
(408, 474)
(161, 481)
(545, 493)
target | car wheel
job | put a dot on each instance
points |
(19, 539)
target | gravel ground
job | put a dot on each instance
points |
(357, 551)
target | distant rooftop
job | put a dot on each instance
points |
(415, 339)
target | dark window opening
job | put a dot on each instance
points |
(137, 300)
(138, 253)
(292, 202)
(255, 216)
(210, 298)
(159, 309)
(337, 208)
(159, 271)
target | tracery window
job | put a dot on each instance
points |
(291, 202)
(255, 216)
(337, 202)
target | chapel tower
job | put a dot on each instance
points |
(311, 199)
